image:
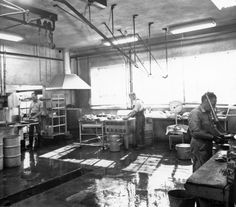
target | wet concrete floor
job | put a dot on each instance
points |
(69, 175)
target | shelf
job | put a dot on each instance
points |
(60, 107)
(61, 116)
(57, 99)
(58, 125)
(56, 122)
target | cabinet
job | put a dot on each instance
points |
(56, 116)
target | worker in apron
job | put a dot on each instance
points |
(35, 111)
(138, 113)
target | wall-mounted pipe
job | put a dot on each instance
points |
(30, 56)
(96, 29)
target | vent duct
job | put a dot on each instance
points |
(67, 81)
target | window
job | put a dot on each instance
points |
(188, 78)
(109, 85)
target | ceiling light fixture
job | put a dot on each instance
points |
(191, 26)
(10, 36)
(121, 40)
(100, 3)
(220, 4)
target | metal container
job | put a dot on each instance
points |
(183, 151)
(180, 198)
(114, 143)
(11, 151)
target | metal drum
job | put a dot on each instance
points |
(11, 151)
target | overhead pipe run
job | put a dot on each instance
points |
(96, 29)
(150, 57)
(12, 6)
(112, 17)
(147, 48)
(166, 49)
(134, 32)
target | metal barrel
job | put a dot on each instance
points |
(11, 151)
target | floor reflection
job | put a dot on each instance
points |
(136, 178)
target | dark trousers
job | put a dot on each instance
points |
(139, 128)
(32, 135)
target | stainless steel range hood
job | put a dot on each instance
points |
(68, 80)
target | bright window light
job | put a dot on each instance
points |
(220, 4)
(121, 40)
(10, 37)
(192, 26)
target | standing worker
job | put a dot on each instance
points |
(34, 115)
(203, 131)
(138, 113)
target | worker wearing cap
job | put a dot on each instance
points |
(138, 113)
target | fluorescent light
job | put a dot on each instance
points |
(100, 3)
(10, 36)
(220, 4)
(121, 40)
(191, 26)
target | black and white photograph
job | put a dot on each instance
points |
(118, 103)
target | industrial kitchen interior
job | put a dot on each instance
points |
(117, 103)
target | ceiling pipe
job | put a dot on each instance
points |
(111, 34)
(134, 32)
(129, 50)
(96, 29)
(112, 17)
(135, 54)
(150, 57)
(147, 48)
(166, 50)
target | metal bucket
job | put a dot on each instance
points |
(180, 198)
(183, 151)
(11, 151)
(114, 143)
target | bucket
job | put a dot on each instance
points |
(183, 151)
(114, 144)
(180, 198)
(12, 151)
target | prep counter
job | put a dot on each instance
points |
(210, 183)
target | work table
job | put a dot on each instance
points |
(209, 182)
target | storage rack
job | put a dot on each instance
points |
(56, 120)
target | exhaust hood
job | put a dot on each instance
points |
(67, 81)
